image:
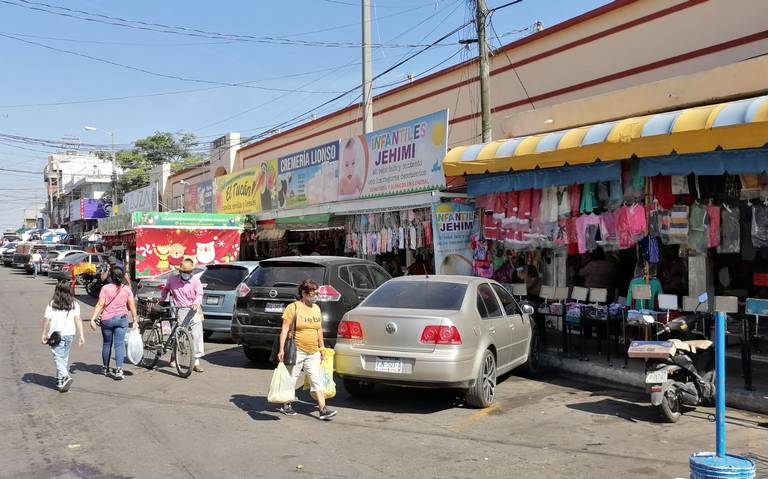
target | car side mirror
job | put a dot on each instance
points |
(527, 309)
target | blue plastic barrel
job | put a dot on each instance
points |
(707, 465)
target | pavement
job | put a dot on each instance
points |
(218, 424)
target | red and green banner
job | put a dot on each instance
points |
(160, 249)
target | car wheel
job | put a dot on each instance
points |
(531, 366)
(207, 335)
(256, 355)
(355, 387)
(482, 394)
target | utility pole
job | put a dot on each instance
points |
(114, 175)
(485, 74)
(367, 69)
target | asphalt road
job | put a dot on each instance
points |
(217, 424)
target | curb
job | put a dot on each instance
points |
(740, 399)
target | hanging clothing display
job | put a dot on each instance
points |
(713, 219)
(697, 228)
(730, 241)
(760, 226)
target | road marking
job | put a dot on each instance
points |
(477, 416)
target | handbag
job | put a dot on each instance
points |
(54, 339)
(289, 348)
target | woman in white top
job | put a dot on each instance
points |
(62, 316)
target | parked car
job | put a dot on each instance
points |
(61, 269)
(436, 331)
(57, 255)
(7, 256)
(8, 246)
(344, 282)
(151, 288)
(22, 254)
(220, 282)
(43, 249)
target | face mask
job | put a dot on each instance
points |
(520, 270)
(313, 299)
(185, 276)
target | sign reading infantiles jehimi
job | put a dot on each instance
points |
(452, 227)
(404, 158)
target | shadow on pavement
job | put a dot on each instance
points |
(234, 358)
(219, 338)
(85, 368)
(622, 409)
(40, 380)
(398, 400)
(255, 406)
(87, 299)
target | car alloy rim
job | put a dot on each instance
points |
(489, 379)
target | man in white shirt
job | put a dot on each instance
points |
(37, 262)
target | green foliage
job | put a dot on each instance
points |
(149, 152)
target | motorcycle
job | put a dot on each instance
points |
(92, 283)
(679, 367)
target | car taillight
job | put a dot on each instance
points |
(440, 335)
(160, 287)
(327, 293)
(349, 330)
(242, 290)
(655, 389)
(67, 266)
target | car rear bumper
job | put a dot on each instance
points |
(60, 274)
(217, 324)
(446, 368)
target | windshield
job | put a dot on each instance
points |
(417, 295)
(286, 274)
(223, 278)
(76, 258)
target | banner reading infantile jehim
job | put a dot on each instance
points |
(405, 158)
(452, 228)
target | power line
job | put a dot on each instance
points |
(149, 72)
(186, 31)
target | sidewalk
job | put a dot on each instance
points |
(634, 376)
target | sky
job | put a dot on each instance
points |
(242, 65)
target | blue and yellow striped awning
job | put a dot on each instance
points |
(733, 125)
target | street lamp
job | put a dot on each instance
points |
(114, 169)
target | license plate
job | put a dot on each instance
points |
(389, 366)
(274, 308)
(656, 377)
(212, 300)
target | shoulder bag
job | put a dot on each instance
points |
(289, 349)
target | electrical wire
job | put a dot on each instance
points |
(186, 31)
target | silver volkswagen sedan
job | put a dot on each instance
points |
(436, 331)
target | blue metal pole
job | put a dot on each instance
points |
(720, 384)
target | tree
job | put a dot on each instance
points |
(147, 153)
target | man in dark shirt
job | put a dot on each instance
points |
(104, 269)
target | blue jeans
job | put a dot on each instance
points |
(113, 333)
(61, 356)
(36, 266)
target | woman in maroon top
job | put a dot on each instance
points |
(115, 300)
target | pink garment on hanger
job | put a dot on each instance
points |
(581, 230)
(511, 207)
(535, 200)
(427, 226)
(608, 226)
(524, 206)
(713, 213)
(574, 192)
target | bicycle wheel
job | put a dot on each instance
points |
(153, 346)
(185, 352)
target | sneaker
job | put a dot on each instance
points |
(326, 414)
(287, 409)
(59, 383)
(66, 384)
(118, 374)
(105, 370)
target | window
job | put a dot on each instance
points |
(507, 301)
(379, 276)
(485, 293)
(425, 294)
(223, 278)
(344, 275)
(285, 273)
(361, 279)
(481, 307)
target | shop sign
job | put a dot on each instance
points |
(405, 158)
(89, 209)
(115, 224)
(198, 198)
(452, 227)
(309, 177)
(142, 199)
(160, 249)
(248, 191)
(190, 220)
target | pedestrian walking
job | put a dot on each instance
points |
(61, 322)
(115, 301)
(308, 335)
(186, 290)
(37, 262)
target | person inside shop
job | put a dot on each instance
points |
(528, 274)
(418, 267)
(599, 272)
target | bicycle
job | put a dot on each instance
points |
(179, 340)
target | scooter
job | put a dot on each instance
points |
(679, 368)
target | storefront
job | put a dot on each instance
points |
(153, 243)
(674, 200)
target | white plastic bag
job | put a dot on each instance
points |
(134, 346)
(282, 389)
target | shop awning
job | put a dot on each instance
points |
(734, 162)
(540, 178)
(725, 126)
